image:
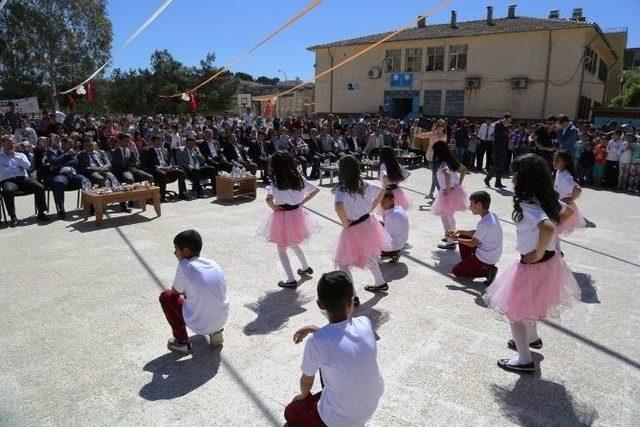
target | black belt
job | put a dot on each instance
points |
(286, 207)
(363, 218)
(546, 257)
(392, 186)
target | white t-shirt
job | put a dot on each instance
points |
(489, 233)
(613, 150)
(383, 173)
(346, 354)
(202, 281)
(396, 223)
(527, 231)
(625, 153)
(356, 205)
(440, 173)
(290, 197)
(564, 184)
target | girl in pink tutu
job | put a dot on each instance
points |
(362, 238)
(289, 224)
(452, 196)
(392, 174)
(568, 190)
(530, 287)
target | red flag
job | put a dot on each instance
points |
(193, 102)
(72, 101)
(268, 108)
(90, 93)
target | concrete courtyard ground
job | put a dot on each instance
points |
(84, 340)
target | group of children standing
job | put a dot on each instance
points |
(344, 351)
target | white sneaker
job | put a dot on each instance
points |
(216, 339)
(447, 245)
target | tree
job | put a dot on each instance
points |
(629, 95)
(47, 44)
(267, 81)
(244, 76)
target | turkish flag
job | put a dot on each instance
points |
(90, 93)
(268, 108)
(193, 101)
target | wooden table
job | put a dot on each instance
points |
(370, 168)
(333, 171)
(100, 200)
(228, 187)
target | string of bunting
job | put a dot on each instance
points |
(428, 13)
(140, 29)
(184, 95)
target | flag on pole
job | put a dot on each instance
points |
(90, 93)
(193, 101)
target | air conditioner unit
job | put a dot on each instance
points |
(375, 73)
(519, 83)
(472, 83)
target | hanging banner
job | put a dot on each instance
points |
(24, 105)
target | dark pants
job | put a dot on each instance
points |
(250, 166)
(304, 413)
(172, 303)
(101, 178)
(480, 150)
(196, 175)
(220, 165)
(135, 175)
(61, 183)
(470, 266)
(163, 176)
(611, 174)
(499, 164)
(25, 184)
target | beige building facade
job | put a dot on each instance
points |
(530, 67)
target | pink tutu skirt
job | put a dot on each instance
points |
(456, 200)
(572, 223)
(359, 244)
(401, 198)
(531, 291)
(288, 228)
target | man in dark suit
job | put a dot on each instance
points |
(126, 164)
(61, 166)
(156, 161)
(210, 149)
(236, 153)
(500, 144)
(314, 154)
(195, 166)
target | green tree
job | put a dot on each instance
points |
(629, 95)
(48, 44)
(244, 76)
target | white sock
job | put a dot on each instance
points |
(557, 245)
(286, 264)
(448, 223)
(520, 336)
(375, 270)
(532, 331)
(346, 271)
(303, 260)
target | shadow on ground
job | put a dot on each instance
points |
(376, 317)
(589, 293)
(274, 310)
(393, 271)
(176, 375)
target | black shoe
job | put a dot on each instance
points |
(528, 368)
(491, 275)
(13, 222)
(487, 182)
(288, 285)
(562, 254)
(62, 215)
(537, 344)
(306, 272)
(124, 208)
(186, 197)
(356, 302)
(42, 217)
(499, 185)
(163, 200)
(379, 288)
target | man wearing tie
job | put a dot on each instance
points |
(156, 161)
(126, 164)
(210, 149)
(194, 164)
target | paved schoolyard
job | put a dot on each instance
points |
(83, 337)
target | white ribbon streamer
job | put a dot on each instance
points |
(123, 47)
(2, 3)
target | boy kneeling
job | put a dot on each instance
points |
(345, 353)
(480, 249)
(198, 298)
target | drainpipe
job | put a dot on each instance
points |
(330, 82)
(543, 112)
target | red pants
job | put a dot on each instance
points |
(172, 303)
(304, 413)
(470, 266)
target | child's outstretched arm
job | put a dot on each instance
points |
(306, 383)
(301, 333)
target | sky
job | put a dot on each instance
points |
(191, 28)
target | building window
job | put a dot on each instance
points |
(454, 103)
(584, 107)
(435, 58)
(392, 61)
(590, 60)
(432, 102)
(603, 71)
(413, 60)
(458, 57)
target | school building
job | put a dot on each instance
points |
(530, 67)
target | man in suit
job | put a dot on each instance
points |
(259, 151)
(61, 166)
(500, 151)
(95, 165)
(156, 161)
(235, 153)
(195, 166)
(351, 142)
(314, 154)
(126, 164)
(210, 149)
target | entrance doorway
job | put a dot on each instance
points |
(401, 107)
(401, 104)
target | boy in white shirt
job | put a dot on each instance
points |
(345, 352)
(396, 222)
(198, 298)
(480, 249)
